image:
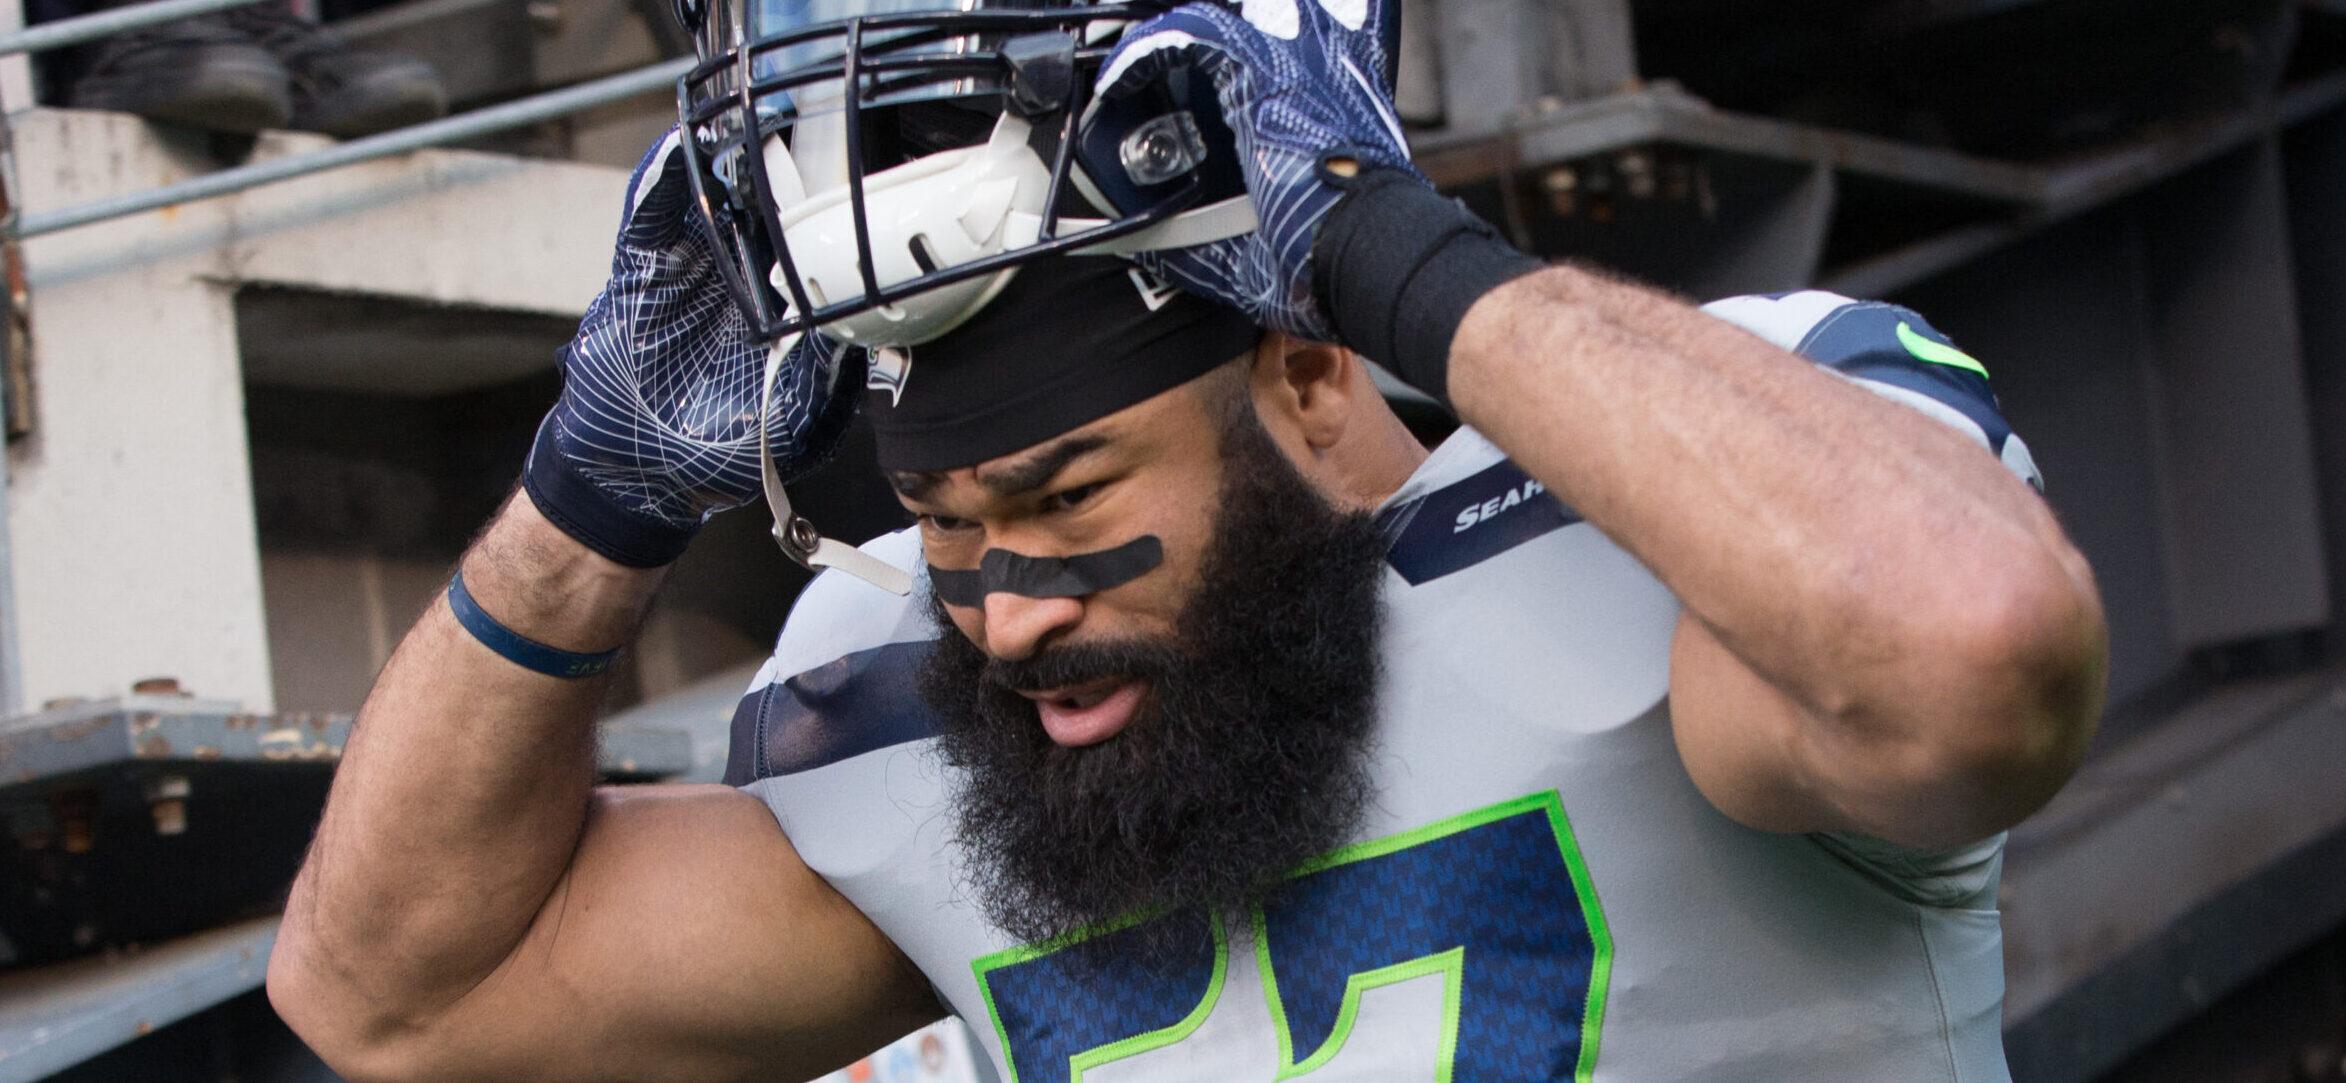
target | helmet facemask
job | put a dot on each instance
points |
(887, 216)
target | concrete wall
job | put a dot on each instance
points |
(333, 619)
(16, 72)
(130, 511)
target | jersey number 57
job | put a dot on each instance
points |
(1496, 904)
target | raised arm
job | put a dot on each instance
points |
(1886, 633)
(1886, 630)
(474, 909)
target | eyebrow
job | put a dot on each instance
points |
(1033, 472)
(1038, 469)
(914, 484)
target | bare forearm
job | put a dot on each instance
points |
(463, 787)
(1847, 548)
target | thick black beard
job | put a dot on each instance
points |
(1249, 757)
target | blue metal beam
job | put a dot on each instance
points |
(54, 1017)
(163, 729)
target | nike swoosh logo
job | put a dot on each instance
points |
(1937, 353)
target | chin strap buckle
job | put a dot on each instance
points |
(797, 536)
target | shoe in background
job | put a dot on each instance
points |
(201, 72)
(336, 89)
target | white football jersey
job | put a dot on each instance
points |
(1536, 890)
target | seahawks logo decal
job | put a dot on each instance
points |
(1153, 292)
(890, 370)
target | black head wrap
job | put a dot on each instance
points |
(1069, 341)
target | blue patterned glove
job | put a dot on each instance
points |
(1299, 82)
(1353, 244)
(657, 426)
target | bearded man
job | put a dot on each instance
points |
(1660, 724)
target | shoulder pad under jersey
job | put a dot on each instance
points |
(1892, 351)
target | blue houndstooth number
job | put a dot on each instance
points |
(1496, 903)
(1079, 1005)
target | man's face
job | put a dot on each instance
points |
(1176, 739)
(1151, 470)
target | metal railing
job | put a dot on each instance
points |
(513, 114)
(397, 17)
(518, 113)
(99, 24)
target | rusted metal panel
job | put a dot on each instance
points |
(156, 815)
(72, 738)
(165, 728)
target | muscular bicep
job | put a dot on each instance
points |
(1965, 739)
(1747, 744)
(688, 941)
(1769, 762)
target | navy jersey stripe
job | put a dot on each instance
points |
(1469, 521)
(859, 703)
(1982, 413)
(741, 752)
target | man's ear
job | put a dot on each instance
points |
(1311, 383)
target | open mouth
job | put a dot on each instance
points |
(1079, 700)
(1088, 713)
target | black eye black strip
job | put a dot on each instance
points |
(1001, 570)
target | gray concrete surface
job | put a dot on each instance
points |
(130, 511)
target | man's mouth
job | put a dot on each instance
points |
(1086, 714)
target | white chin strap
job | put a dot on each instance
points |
(799, 539)
(1198, 225)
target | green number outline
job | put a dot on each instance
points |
(1082, 1062)
(1451, 963)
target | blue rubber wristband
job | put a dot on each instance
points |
(517, 648)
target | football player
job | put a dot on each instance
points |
(1660, 724)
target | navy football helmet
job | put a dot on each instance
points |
(878, 169)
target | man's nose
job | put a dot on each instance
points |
(1017, 625)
